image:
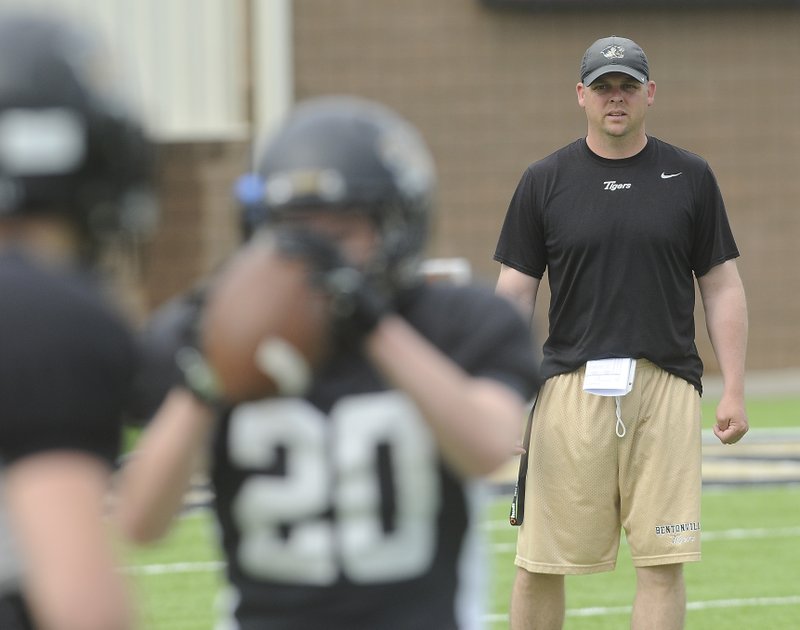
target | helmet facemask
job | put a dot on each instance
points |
(342, 155)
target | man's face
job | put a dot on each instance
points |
(354, 232)
(616, 104)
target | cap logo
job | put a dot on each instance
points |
(614, 51)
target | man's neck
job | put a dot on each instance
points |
(613, 148)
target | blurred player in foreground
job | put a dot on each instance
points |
(69, 160)
(344, 486)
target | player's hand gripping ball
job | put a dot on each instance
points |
(265, 326)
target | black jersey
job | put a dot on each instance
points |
(66, 361)
(336, 509)
(621, 241)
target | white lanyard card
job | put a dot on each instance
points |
(609, 377)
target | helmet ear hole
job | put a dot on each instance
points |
(338, 154)
(249, 192)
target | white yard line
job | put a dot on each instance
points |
(605, 611)
(218, 565)
(175, 567)
(593, 611)
(747, 534)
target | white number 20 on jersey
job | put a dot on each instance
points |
(333, 462)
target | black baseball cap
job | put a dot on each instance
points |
(614, 54)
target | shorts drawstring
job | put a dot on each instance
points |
(620, 426)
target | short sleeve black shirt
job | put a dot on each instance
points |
(621, 241)
(66, 362)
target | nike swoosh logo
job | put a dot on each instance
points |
(667, 176)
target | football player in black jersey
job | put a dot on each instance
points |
(352, 504)
(70, 159)
(627, 227)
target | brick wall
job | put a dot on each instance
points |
(494, 90)
(199, 220)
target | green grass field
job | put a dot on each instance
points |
(749, 577)
(773, 413)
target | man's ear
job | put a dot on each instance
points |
(580, 89)
(651, 92)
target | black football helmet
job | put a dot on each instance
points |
(67, 144)
(341, 153)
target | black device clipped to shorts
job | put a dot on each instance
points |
(517, 513)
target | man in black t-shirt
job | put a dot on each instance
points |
(623, 223)
(350, 503)
(69, 155)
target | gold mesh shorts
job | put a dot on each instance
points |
(584, 483)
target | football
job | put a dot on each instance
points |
(264, 327)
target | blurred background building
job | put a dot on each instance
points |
(491, 84)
